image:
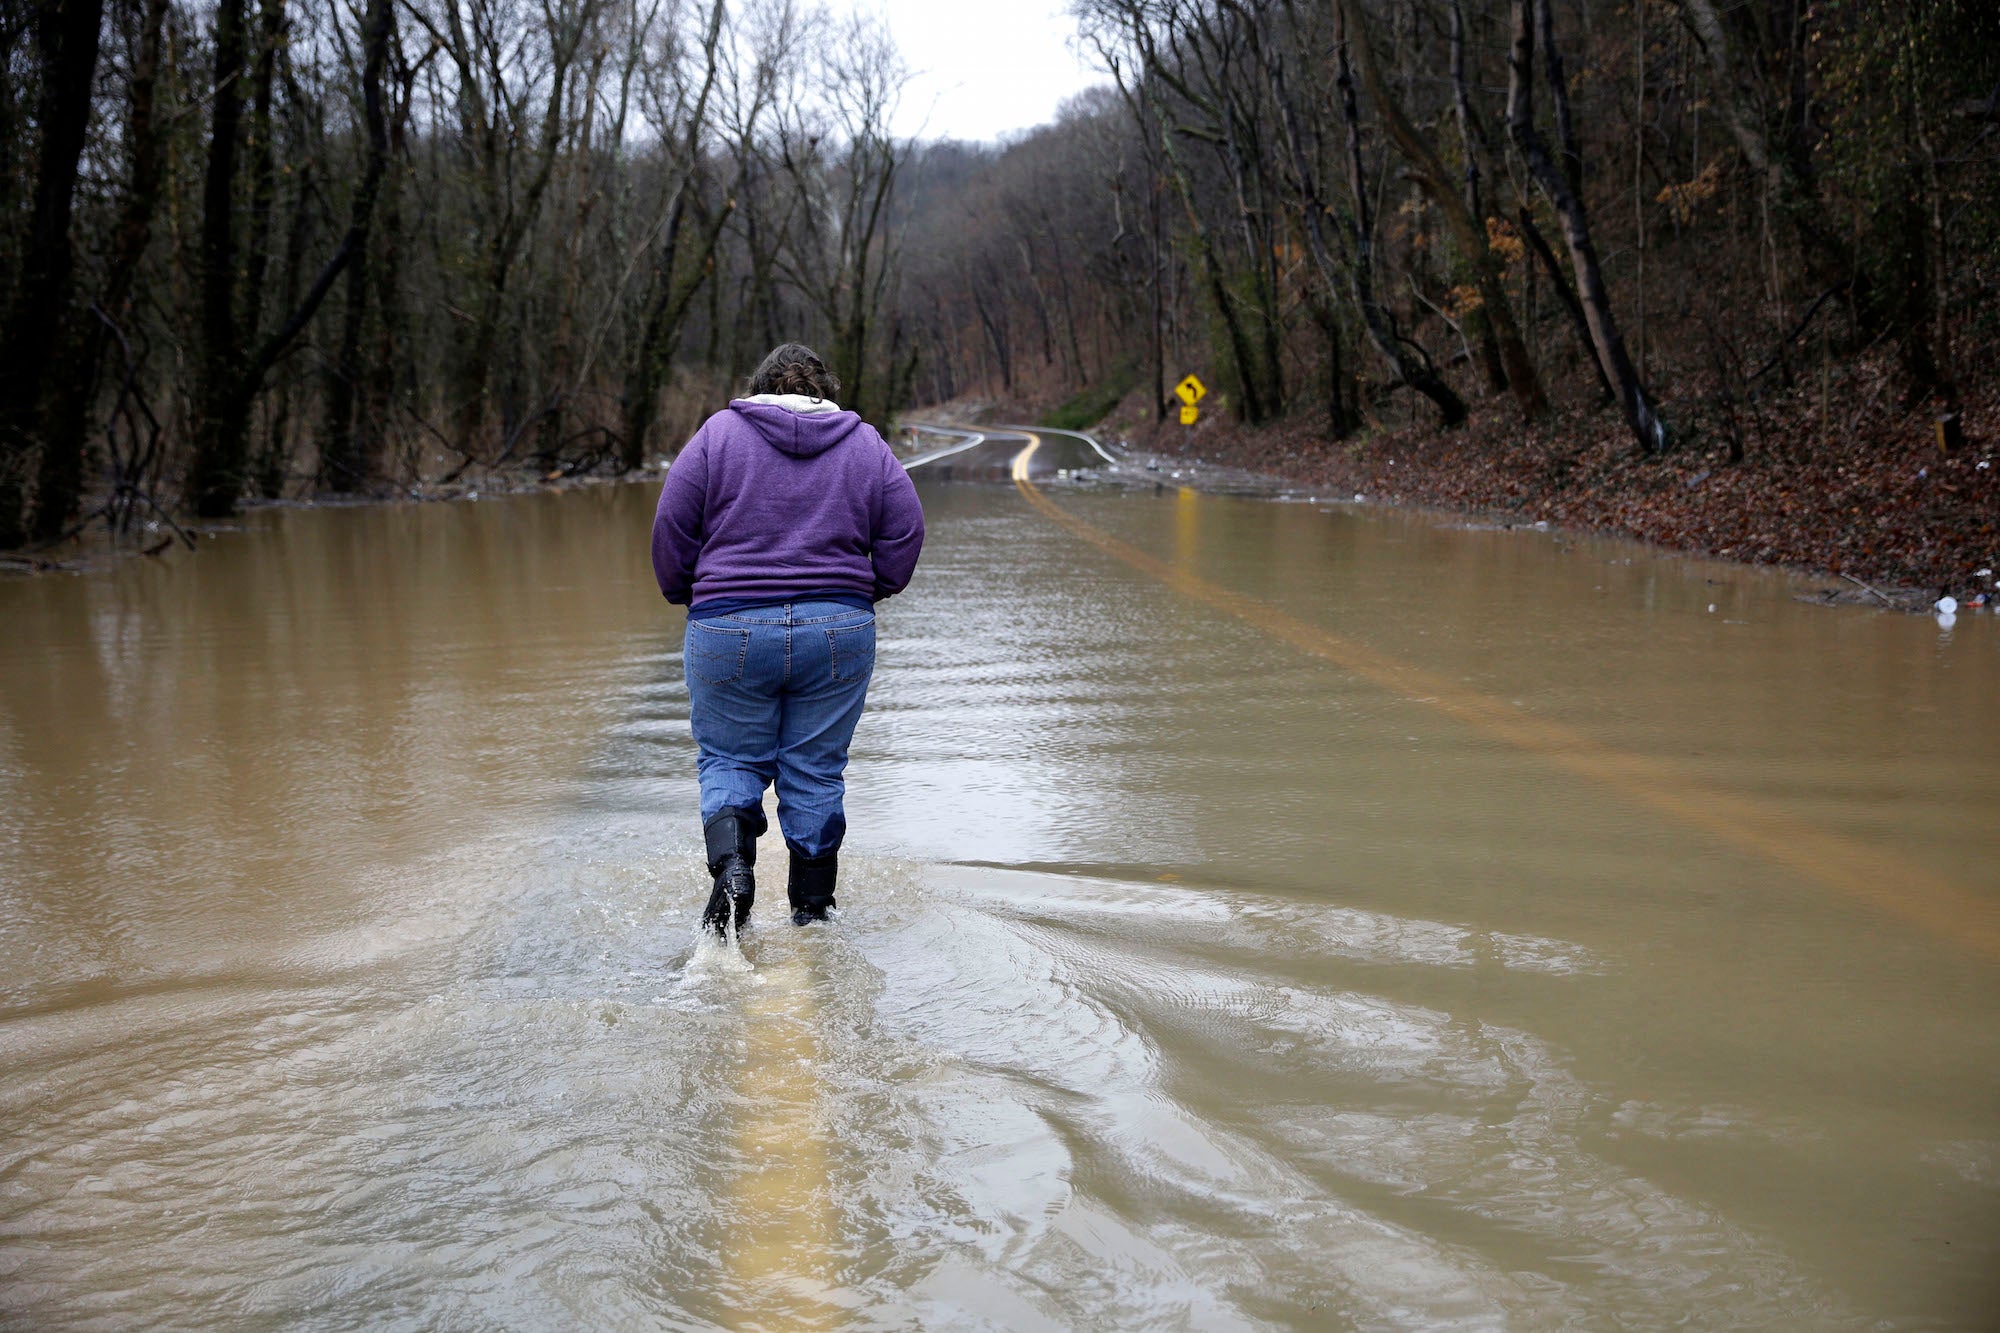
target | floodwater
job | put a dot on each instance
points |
(1256, 914)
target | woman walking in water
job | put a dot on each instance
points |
(780, 526)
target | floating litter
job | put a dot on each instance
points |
(1947, 606)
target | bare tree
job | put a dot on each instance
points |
(836, 150)
(231, 378)
(1468, 227)
(65, 35)
(1533, 25)
(66, 441)
(673, 281)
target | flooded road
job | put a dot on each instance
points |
(1256, 914)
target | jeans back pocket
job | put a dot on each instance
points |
(853, 651)
(716, 655)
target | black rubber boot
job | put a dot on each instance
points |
(732, 858)
(811, 885)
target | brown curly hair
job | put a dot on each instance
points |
(794, 368)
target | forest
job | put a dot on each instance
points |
(278, 249)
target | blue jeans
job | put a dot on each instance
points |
(774, 694)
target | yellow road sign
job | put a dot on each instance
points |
(1188, 413)
(1190, 391)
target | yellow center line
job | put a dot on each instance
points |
(1020, 472)
(1883, 881)
(781, 1229)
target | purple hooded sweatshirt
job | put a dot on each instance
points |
(769, 504)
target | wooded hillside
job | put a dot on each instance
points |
(302, 248)
(1675, 204)
(271, 248)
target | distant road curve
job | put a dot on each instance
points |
(968, 439)
(1090, 440)
(1011, 437)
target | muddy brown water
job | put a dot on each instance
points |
(1185, 976)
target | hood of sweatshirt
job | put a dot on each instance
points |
(800, 433)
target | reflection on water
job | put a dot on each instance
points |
(348, 972)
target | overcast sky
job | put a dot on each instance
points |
(982, 67)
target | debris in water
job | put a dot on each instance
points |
(1947, 606)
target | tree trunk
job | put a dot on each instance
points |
(996, 336)
(1531, 17)
(263, 168)
(230, 381)
(1156, 219)
(641, 384)
(1785, 167)
(668, 303)
(1468, 229)
(216, 477)
(69, 417)
(1340, 419)
(1469, 144)
(388, 373)
(345, 463)
(1374, 316)
(1567, 295)
(515, 216)
(40, 322)
(1239, 344)
(1246, 167)
(274, 465)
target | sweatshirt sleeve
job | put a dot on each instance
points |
(899, 531)
(677, 523)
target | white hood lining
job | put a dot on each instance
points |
(795, 402)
